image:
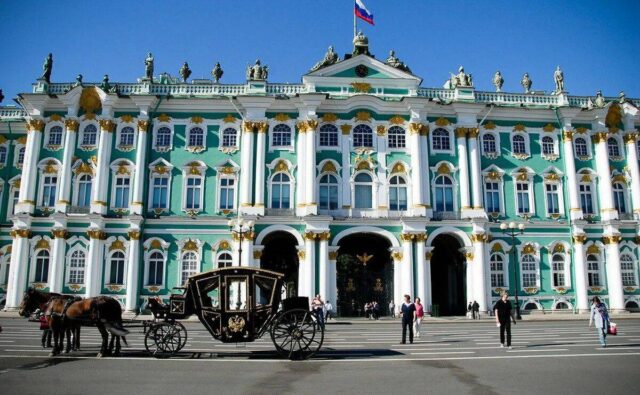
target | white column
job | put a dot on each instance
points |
(257, 255)
(133, 271)
(260, 167)
(479, 270)
(406, 278)
(426, 182)
(18, 269)
(246, 172)
(614, 273)
(470, 286)
(398, 263)
(26, 197)
(139, 178)
(463, 172)
(332, 274)
(247, 250)
(324, 275)
(632, 163)
(306, 272)
(56, 278)
(64, 191)
(607, 210)
(582, 300)
(94, 263)
(417, 168)
(345, 145)
(421, 276)
(575, 210)
(428, 294)
(476, 176)
(310, 169)
(99, 204)
(302, 163)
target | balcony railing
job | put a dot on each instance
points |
(280, 212)
(445, 215)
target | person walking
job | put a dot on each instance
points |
(46, 331)
(469, 310)
(408, 310)
(392, 309)
(600, 315)
(417, 323)
(317, 306)
(504, 313)
(476, 310)
(376, 310)
(328, 307)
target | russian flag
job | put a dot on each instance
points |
(362, 12)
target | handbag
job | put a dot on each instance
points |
(612, 329)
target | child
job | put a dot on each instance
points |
(46, 331)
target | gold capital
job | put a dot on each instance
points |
(599, 137)
(614, 239)
(97, 234)
(630, 138)
(24, 233)
(71, 125)
(143, 125)
(346, 129)
(134, 234)
(107, 125)
(59, 233)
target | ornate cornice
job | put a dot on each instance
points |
(35, 125)
(317, 236)
(24, 233)
(346, 129)
(59, 233)
(413, 236)
(614, 239)
(478, 237)
(630, 137)
(71, 125)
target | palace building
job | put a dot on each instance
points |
(358, 184)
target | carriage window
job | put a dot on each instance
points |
(211, 288)
(263, 290)
(237, 293)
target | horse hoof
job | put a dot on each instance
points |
(99, 355)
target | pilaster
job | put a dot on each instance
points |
(56, 270)
(614, 272)
(479, 270)
(19, 262)
(26, 198)
(428, 294)
(140, 178)
(95, 258)
(246, 172)
(99, 204)
(261, 138)
(463, 172)
(566, 115)
(332, 293)
(133, 269)
(582, 302)
(64, 192)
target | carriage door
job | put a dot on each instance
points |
(236, 322)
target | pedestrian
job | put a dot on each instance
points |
(46, 330)
(376, 310)
(392, 309)
(408, 310)
(419, 315)
(328, 307)
(317, 306)
(476, 310)
(600, 315)
(504, 313)
(469, 309)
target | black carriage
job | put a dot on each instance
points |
(237, 304)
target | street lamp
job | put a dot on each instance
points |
(240, 228)
(512, 230)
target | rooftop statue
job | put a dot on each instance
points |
(622, 97)
(47, 67)
(361, 44)
(460, 80)
(558, 77)
(393, 61)
(329, 58)
(498, 81)
(217, 72)
(78, 81)
(105, 86)
(1, 96)
(148, 67)
(257, 72)
(599, 102)
(526, 83)
(165, 78)
(185, 72)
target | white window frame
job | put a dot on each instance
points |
(153, 175)
(47, 136)
(83, 126)
(195, 148)
(599, 272)
(593, 191)
(108, 263)
(13, 190)
(148, 251)
(126, 147)
(42, 167)
(556, 148)
(34, 260)
(451, 174)
(496, 137)
(450, 136)
(504, 272)
(633, 271)
(527, 145)
(195, 170)
(229, 149)
(339, 190)
(322, 147)
(235, 179)
(219, 255)
(407, 183)
(292, 185)
(67, 272)
(292, 131)
(374, 137)
(587, 144)
(182, 252)
(403, 136)
(500, 181)
(625, 196)
(76, 189)
(115, 168)
(620, 144)
(529, 181)
(374, 191)
(16, 155)
(6, 147)
(5, 265)
(565, 272)
(536, 262)
(559, 191)
(156, 127)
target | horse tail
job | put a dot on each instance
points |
(116, 328)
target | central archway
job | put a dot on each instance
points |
(364, 273)
(281, 255)
(448, 276)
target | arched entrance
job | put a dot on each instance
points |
(280, 255)
(364, 273)
(448, 276)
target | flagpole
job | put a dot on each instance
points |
(354, 23)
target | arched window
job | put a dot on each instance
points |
(225, 260)
(627, 268)
(328, 189)
(492, 196)
(328, 135)
(21, 156)
(76, 267)
(90, 135)
(444, 194)
(489, 144)
(196, 137)
(155, 272)
(3, 155)
(122, 189)
(619, 198)
(83, 198)
(163, 137)
(529, 272)
(562, 306)
(189, 266)
(397, 137)
(593, 271)
(496, 264)
(397, 193)
(229, 137)
(557, 263)
(55, 136)
(440, 140)
(612, 147)
(531, 306)
(49, 186)
(362, 136)
(42, 267)
(281, 191)
(548, 147)
(281, 136)
(127, 135)
(227, 189)
(363, 190)
(518, 144)
(116, 264)
(580, 146)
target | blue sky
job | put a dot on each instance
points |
(595, 42)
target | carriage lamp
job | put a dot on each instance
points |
(240, 228)
(512, 230)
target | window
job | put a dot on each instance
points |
(619, 199)
(122, 187)
(492, 197)
(76, 267)
(553, 199)
(229, 137)
(227, 189)
(522, 192)
(328, 136)
(328, 189)
(362, 136)
(518, 144)
(557, 263)
(489, 144)
(42, 267)
(225, 260)
(444, 194)
(193, 193)
(397, 138)
(189, 266)
(127, 135)
(580, 146)
(155, 271)
(586, 199)
(613, 148)
(163, 138)
(496, 265)
(628, 272)
(49, 185)
(116, 264)
(160, 193)
(3, 155)
(440, 140)
(4, 270)
(397, 193)
(548, 147)
(281, 191)
(281, 136)
(83, 198)
(196, 137)
(529, 273)
(363, 191)
(90, 135)
(13, 201)
(593, 271)
(55, 136)
(21, 156)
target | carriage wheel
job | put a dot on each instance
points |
(297, 334)
(165, 339)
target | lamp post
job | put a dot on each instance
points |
(513, 229)
(240, 228)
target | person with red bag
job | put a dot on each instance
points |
(600, 315)
(46, 334)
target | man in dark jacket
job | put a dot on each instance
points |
(476, 310)
(504, 315)
(408, 314)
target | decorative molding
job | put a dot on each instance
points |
(613, 239)
(197, 119)
(117, 245)
(35, 125)
(329, 117)
(398, 168)
(24, 233)
(163, 118)
(282, 117)
(361, 87)
(381, 130)
(397, 256)
(97, 234)
(549, 128)
(42, 244)
(346, 129)
(143, 126)
(302, 254)
(333, 255)
(134, 235)
(519, 128)
(442, 122)
(396, 120)
(229, 118)
(329, 167)
(72, 125)
(531, 290)
(363, 116)
(59, 233)
(593, 249)
(107, 125)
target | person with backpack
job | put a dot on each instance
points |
(600, 315)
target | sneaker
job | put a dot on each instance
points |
(510, 348)
(501, 345)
